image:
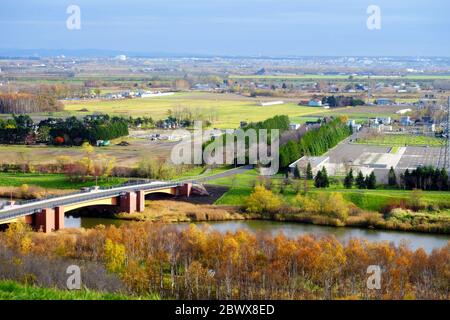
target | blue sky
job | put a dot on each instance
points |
(230, 27)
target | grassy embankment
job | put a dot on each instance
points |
(39, 185)
(11, 290)
(52, 181)
(34, 185)
(369, 204)
(374, 200)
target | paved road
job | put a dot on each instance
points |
(227, 173)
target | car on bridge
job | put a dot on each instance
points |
(90, 189)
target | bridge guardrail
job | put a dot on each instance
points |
(22, 202)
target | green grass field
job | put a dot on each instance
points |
(51, 181)
(201, 172)
(373, 200)
(240, 187)
(10, 290)
(399, 140)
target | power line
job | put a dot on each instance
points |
(445, 163)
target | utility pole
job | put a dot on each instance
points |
(446, 164)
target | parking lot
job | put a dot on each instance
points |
(368, 158)
(419, 156)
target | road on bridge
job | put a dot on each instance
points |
(26, 207)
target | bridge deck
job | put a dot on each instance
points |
(33, 206)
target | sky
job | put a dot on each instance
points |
(231, 27)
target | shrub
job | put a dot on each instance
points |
(306, 204)
(337, 207)
(262, 200)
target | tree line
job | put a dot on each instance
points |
(70, 131)
(28, 103)
(425, 178)
(196, 263)
(279, 122)
(342, 101)
(361, 181)
(315, 142)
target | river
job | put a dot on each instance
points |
(416, 240)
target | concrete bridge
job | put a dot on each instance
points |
(47, 214)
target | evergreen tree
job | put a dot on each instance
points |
(349, 179)
(315, 142)
(325, 180)
(392, 178)
(296, 172)
(371, 181)
(444, 180)
(318, 180)
(309, 173)
(360, 181)
(407, 179)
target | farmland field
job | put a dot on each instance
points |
(337, 77)
(230, 109)
(126, 156)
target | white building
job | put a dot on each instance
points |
(315, 103)
(405, 121)
(317, 163)
(271, 103)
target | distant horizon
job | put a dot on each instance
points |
(111, 53)
(242, 28)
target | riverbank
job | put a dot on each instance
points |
(169, 211)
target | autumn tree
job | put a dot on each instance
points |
(114, 256)
(262, 200)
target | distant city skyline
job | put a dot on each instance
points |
(229, 28)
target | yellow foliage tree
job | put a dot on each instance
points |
(87, 148)
(15, 234)
(306, 204)
(333, 205)
(114, 256)
(262, 200)
(26, 245)
(336, 206)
